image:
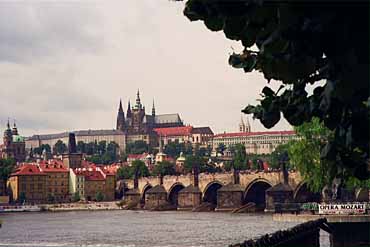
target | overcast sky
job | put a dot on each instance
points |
(64, 65)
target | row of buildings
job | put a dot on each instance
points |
(61, 180)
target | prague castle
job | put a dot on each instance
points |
(133, 126)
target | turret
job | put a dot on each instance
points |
(8, 136)
(242, 125)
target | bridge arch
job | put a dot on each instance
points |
(256, 192)
(147, 187)
(173, 193)
(210, 192)
(303, 194)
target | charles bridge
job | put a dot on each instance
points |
(227, 191)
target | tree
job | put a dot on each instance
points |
(102, 146)
(41, 148)
(174, 149)
(6, 168)
(81, 147)
(164, 168)
(139, 169)
(60, 147)
(240, 158)
(124, 172)
(304, 154)
(221, 148)
(99, 196)
(325, 45)
(275, 155)
(138, 147)
(192, 160)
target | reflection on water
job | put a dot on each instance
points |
(133, 228)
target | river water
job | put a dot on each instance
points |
(133, 228)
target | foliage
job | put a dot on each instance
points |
(192, 160)
(276, 155)
(305, 154)
(6, 168)
(60, 147)
(50, 198)
(41, 148)
(101, 152)
(81, 147)
(240, 158)
(137, 147)
(174, 149)
(325, 45)
(221, 148)
(164, 168)
(137, 167)
(124, 172)
(76, 197)
(99, 196)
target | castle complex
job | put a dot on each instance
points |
(135, 125)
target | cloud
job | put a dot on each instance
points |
(65, 65)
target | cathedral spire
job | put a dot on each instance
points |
(15, 129)
(120, 117)
(8, 125)
(153, 109)
(128, 114)
(138, 101)
(248, 126)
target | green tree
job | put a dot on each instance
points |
(192, 160)
(164, 168)
(99, 196)
(6, 168)
(276, 154)
(304, 154)
(81, 147)
(124, 172)
(221, 148)
(102, 147)
(326, 46)
(138, 147)
(139, 168)
(41, 148)
(240, 158)
(60, 147)
(174, 149)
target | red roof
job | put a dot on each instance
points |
(28, 169)
(137, 156)
(174, 131)
(90, 174)
(53, 166)
(110, 170)
(284, 132)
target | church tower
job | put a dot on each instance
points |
(129, 113)
(8, 136)
(120, 118)
(248, 126)
(153, 109)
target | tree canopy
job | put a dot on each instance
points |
(164, 168)
(6, 168)
(137, 147)
(60, 147)
(301, 43)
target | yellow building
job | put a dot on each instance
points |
(28, 182)
(57, 180)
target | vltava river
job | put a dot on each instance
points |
(133, 228)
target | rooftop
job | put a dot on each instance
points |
(237, 134)
(174, 131)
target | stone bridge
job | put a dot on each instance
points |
(253, 184)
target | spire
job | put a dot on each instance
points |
(128, 114)
(138, 101)
(153, 109)
(72, 143)
(14, 130)
(242, 125)
(120, 117)
(8, 125)
(120, 109)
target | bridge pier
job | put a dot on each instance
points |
(156, 198)
(189, 198)
(132, 198)
(229, 197)
(281, 194)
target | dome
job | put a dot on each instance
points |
(18, 138)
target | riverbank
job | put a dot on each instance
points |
(86, 206)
